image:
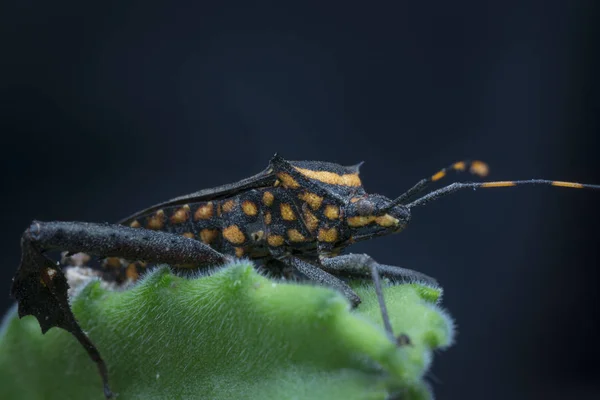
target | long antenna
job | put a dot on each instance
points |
(455, 187)
(475, 167)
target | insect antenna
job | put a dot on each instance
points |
(455, 187)
(475, 167)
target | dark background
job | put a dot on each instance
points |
(110, 108)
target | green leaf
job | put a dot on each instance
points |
(233, 334)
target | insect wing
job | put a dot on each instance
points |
(263, 179)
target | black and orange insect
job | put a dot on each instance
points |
(294, 218)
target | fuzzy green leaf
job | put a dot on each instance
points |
(232, 334)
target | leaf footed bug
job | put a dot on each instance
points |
(294, 216)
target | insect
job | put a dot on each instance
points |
(295, 218)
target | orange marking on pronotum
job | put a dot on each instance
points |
(331, 177)
(287, 181)
(567, 184)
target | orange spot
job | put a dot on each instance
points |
(313, 200)
(267, 218)
(239, 252)
(355, 199)
(459, 166)
(228, 205)
(386, 221)
(205, 211)
(567, 184)
(328, 235)
(188, 235)
(310, 220)
(479, 168)
(268, 198)
(438, 176)
(331, 178)
(498, 184)
(208, 235)
(135, 224)
(332, 212)
(157, 221)
(360, 220)
(287, 181)
(131, 272)
(295, 236)
(234, 234)
(275, 240)
(286, 212)
(249, 208)
(181, 215)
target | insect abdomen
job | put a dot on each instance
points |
(200, 221)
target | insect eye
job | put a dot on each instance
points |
(365, 208)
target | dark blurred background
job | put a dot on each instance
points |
(109, 108)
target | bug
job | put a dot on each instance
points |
(295, 217)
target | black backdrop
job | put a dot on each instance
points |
(109, 108)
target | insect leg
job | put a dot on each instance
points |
(40, 285)
(316, 274)
(384, 313)
(359, 265)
